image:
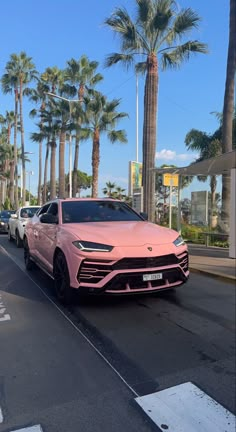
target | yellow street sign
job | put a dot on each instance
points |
(170, 179)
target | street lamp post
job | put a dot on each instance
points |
(70, 136)
(21, 176)
(30, 173)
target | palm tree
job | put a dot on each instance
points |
(156, 35)
(48, 131)
(108, 190)
(82, 76)
(229, 108)
(10, 83)
(20, 70)
(102, 118)
(39, 96)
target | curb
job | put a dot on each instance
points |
(216, 275)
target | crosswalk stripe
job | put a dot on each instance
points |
(36, 428)
(1, 416)
(186, 408)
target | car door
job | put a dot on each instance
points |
(48, 239)
(35, 233)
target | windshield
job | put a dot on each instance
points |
(97, 211)
(6, 214)
(28, 212)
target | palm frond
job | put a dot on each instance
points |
(126, 59)
(176, 56)
(117, 135)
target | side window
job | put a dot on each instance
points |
(53, 209)
(43, 209)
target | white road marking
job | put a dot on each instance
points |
(36, 428)
(1, 416)
(3, 316)
(186, 408)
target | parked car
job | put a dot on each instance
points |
(103, 246)
(17, 223)
(4, 218)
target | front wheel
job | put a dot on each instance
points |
(9, 236)
(19, 242)
(62, 279)
(29, 265)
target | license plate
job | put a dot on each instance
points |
(150, 277)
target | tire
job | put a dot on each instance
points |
(62, 280)
(19, 242)
(29, 265)
(9, 236)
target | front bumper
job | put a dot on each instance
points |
(125, 276)
(4, 228)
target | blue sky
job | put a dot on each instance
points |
(54, 31)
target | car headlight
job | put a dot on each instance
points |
(2, 223)
(179, 241)
(87, 246)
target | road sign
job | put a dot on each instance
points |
(170, 179)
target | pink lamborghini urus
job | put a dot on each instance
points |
(102, 246)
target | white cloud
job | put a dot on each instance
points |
(171, 155)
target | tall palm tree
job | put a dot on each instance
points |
(7, 122)
(9, 83)
(102, 117)
(38, 96)
(228, 109)
(21, 69)
(155, 34)
(48, 131)
(83, 77)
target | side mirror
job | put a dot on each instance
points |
(144, 215)
(14, 216)
(48, 218)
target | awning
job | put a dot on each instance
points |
(214, 166)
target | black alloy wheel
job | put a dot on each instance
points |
(62, 279)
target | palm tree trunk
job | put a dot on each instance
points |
(12, 183)
(227, 125)
(15, 149)
(62, 164)
(22, 143)
(53, 171)
(149, 136)
(45, 173)
(75, 168)
(95, 163)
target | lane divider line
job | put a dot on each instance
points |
(186, 408)
(73, 325)
(1, 416)
(36, 428)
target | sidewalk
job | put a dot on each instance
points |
(212, 261)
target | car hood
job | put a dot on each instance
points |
(122, 233)
(5, 220)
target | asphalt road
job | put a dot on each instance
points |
(80, 368)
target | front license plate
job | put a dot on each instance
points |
(150, 277)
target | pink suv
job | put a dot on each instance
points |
(103, 246)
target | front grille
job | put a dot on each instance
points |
(134, 281)
(93, 271)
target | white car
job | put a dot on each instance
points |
(17, 222)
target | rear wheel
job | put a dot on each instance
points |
(29, 265)
(19, 242)
(62, 279)
(9, 236)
